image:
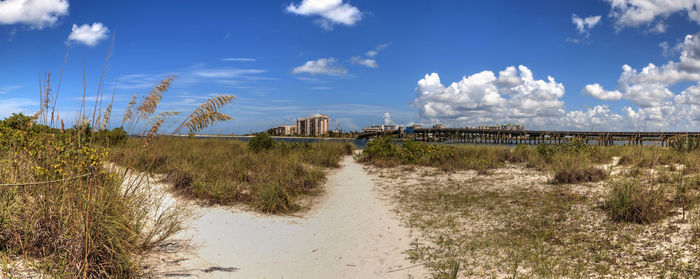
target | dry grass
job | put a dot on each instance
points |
(514, 223)
(227, 172)
(206, 115)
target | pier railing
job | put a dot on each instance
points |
(469, 135)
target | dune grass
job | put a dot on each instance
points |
(86, 223)
(269, 179)
(571, 162)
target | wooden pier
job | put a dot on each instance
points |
(492, 136)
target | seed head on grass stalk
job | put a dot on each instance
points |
(206, 115)
(129, 113)
(156, 123)
(150, 103)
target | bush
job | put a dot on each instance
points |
(635, 201)
(115, 136)
(261, 141)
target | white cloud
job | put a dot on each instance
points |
(598, 92)
(690, 95)
(15, 105)
(584, 25)
(651, 13)
(649, 87)
(37, 14)
(8, 89)
(238, 59)
(226, 72)
(387, 118)
(482, 97)
(331, 12)
(375, 51)
(367, 62)
(325, 66)
(648, 95)
(88, 34)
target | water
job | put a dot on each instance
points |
(357, 142)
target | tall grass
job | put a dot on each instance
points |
(228, 172)
(59, 205)
(636, 201)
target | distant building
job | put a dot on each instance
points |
(381, 128)
(439, 126)
(507, 127)
(315, 125)
(284, 130)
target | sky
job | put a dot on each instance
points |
(604, 65)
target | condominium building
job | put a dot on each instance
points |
(284, 130)
(315, 125)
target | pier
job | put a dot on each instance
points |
(493, 136)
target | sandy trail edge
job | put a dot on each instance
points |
(352, 233)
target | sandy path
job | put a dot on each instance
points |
(351, 234)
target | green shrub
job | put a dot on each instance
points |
(115, 136)
(261, 141)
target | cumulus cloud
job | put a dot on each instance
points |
(387, 118)
(515, 96)
(324, 66)
(598, 92)
(584, 25)
(657, 106)
(651, 13)
(367, 62)
(89, 35)
(648, 87)
(36, 14)
(331, 12)
(482, 98)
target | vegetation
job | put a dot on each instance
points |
(636, 201)
(384, 152)
(571, 162)
(267, 175)
(62, 207)
(643, 222)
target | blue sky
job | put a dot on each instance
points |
(358, 60)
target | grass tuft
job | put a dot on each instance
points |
(636, 201)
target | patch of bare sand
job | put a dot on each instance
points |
(352, 233)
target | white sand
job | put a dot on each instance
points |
(351, 233)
